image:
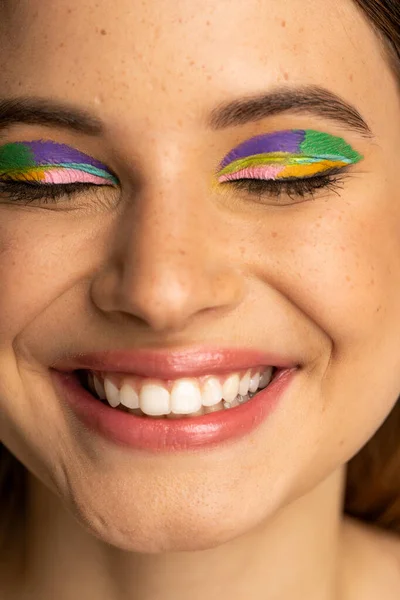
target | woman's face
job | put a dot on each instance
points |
(173, 256)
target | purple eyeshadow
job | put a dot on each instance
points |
(281, 141)
(53, 153)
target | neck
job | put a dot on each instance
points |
(293, 555)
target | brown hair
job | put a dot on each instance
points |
(373, 475)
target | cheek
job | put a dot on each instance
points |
(31, 274)
(41, 258)
(338, 262)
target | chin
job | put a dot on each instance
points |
(148, 535)
(157, 542)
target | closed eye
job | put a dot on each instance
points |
(30, 191)
(293, 187)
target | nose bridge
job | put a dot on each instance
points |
(167, 251)
(171, 259)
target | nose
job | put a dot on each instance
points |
(170, 262)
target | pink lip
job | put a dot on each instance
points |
(165, 435)
(173, 364)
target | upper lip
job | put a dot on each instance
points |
(174, 363)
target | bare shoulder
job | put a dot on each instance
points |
(371, 562)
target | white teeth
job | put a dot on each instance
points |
(112, 393)
(230, 388)
(128, 396)
(99, 387)
(185, 397)
(244, 384)
(254, 381)
(154, 399)
(198, 413)
(212, 392)
(265, 377)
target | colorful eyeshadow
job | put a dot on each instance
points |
(292, 153)
(50, 162)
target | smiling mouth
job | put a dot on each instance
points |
(178, 398)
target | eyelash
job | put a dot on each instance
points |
(298, 187)
(28, 192)
(47, 193)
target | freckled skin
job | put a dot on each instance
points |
(174, 263)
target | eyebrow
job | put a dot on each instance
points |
(301, 100)
(41, 111)
(311, 100)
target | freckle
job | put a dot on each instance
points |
(103, 32)
(286, 76)
(348, 278)
(274, 234)
(283, 23)
(351, 76)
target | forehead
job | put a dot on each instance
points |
(183, 53)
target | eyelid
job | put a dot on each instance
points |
(66, 175)
(46, 161)
(57, 176)
(289, 148)
(282, 172)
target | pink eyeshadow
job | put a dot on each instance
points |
(263, 172)
(72, 176)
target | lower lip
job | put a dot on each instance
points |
(166, 435)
